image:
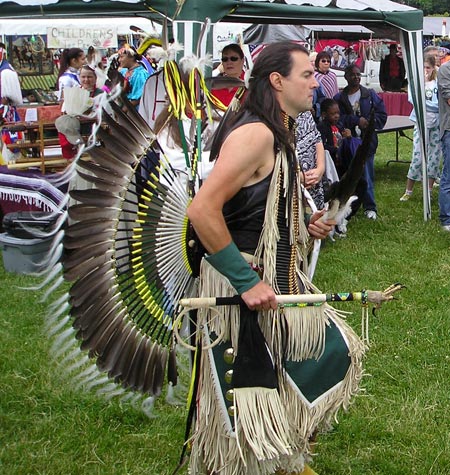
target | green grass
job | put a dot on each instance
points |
(399, 425)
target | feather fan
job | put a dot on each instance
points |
(126, 259)
(76, 101)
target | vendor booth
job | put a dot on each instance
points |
(33, 44)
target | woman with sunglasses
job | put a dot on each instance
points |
(324, 76)
(232, 66)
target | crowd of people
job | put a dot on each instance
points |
(341, 120)
(343, 116)
(340, 132)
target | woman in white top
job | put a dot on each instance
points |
(69, 69)
(434, 150)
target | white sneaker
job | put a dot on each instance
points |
(446, 227)
(406, 196)
(370, 214)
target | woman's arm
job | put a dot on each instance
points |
(314, 175)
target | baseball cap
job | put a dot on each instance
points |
(70, 127)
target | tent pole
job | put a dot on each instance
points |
(411, 41)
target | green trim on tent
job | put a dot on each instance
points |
(264, 12)
(225, 10)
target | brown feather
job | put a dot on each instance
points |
(95, 197)
(117, 142)
(106, 344)
(154, 355)
(97, 324)
(86, 266)
(133, 141)
(134, 115)
(133, 366)
(109, 352)
(86, 323)
(124, 120)
(110, 324)
(102, 172)
(120, 356)
(109, 161)
(75, 257)
(79, 212)
(85, 284)
(101, 184)
(134, 121)
(96, 282)
(106, 300)
(87, 240)
(90, 226)
(160, 368)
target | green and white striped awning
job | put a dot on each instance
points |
(45, 82)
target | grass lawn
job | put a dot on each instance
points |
(399, 425)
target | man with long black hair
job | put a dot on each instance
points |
(259, 406)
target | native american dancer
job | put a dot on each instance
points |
(287, 369)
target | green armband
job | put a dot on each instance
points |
(230, 263)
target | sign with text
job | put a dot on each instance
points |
(72, 36)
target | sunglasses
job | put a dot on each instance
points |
(230, 58)
(325, 61)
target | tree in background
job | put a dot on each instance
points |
(430, 7)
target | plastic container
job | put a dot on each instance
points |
(23, 224)
(24, 256)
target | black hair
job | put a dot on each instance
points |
(66, 57)
(326, 105)
(89, 68)
(260, 99)
(349, 69)
(235, 48)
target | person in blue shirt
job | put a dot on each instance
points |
(134, 72)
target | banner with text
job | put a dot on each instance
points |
(72, 36)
